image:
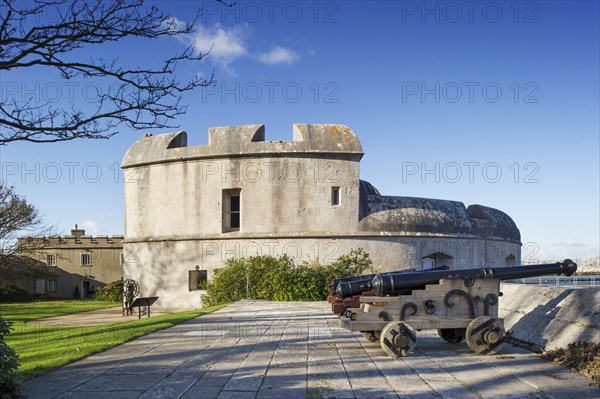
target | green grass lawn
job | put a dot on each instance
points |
(42, 348)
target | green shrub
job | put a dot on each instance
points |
(355, 263)
(9, 363)
(279, 279)
(112, 292)
(14, 294)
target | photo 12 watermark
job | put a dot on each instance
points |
(252, 12)
(470, 172)
(272, 92)
(470, 92)
(63, 172)
(470, 12)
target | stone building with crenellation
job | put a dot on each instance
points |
(189, 209)
(81, 263)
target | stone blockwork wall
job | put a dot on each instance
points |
(278, 195)
(162, 267)
(551, 317)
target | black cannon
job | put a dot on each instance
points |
(460, 304)
(365, 278)
(349, 286)
(398, 284)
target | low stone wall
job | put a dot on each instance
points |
(550, 317)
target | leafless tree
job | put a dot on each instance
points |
(132, 97)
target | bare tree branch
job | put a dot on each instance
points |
(138, 97)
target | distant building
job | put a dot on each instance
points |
(82, 263)
(189, 209)
(27, 274)
(584, 265)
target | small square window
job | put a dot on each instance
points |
(86, 259)
(51, 285)
(232, 209)
(335, 195)
(196, 278)
(51, 260)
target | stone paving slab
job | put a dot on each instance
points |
(281, 350)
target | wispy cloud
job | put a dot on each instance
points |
(278, 55)
(92, 227)
(570, 244)
(225, 45)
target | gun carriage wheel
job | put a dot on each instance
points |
(371, 336)
(131, 289)
(485, 335)
(398, 339)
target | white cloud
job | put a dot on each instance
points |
(278, 55)
(570, 243)
(225, 45)
(92, 227)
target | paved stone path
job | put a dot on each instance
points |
(256, 349)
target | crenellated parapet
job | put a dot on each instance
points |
(317, 140)
(76, 239)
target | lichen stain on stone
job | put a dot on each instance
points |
(335, 131)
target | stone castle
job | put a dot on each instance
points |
(189, 209)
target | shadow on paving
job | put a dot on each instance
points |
(255, 349)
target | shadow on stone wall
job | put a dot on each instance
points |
(551, 317)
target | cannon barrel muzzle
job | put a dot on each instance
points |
(347, 287)
(394, 284)
(336, 281)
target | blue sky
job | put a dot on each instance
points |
(493, 103)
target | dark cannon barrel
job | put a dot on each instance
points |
(346, 287)
(336, 281)
(394, 284)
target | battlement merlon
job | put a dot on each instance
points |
(322, 140)
(41, 242)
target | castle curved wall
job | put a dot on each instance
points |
(278, 195)
(161, 267)
(303, 198)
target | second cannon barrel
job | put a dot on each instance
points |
(350, 286)
(402, 283)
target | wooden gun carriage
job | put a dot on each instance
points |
(459, 304)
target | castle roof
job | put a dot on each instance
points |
(245, 141)
(428, 215)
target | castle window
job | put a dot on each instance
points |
(196, 278)
(50, 260)
(437, 259)
(335, 195)
(51, 285)
(231, 210)
(86, 259)
(511, 260)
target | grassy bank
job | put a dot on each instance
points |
(42, 348)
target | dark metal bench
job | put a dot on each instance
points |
(142, 301)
